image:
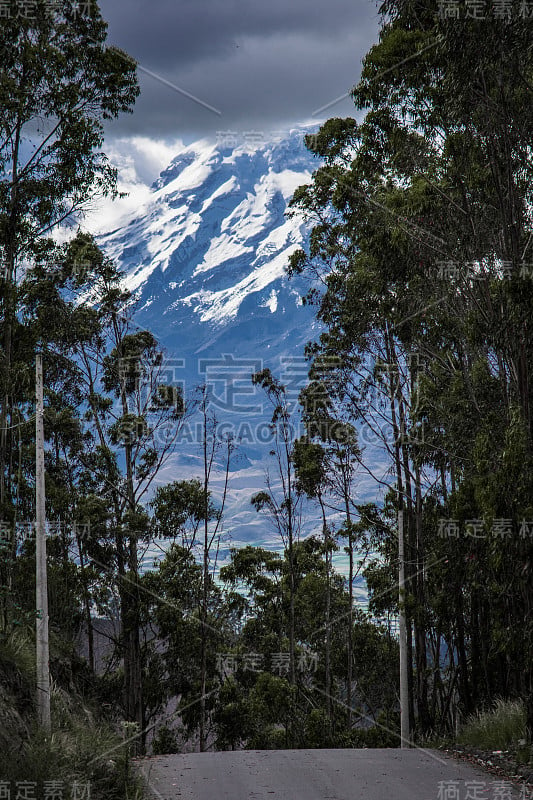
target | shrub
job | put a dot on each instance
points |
(165, 742)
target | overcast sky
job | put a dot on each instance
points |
(263, 64)
(252, 65)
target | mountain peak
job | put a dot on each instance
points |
(277, 151)
(212, 242)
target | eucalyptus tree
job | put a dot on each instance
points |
(281, 501)
(371, 372)
(128, 421)
(59, 83)
(332, 443)
(212, 519)
(309, 463)
(437, 180)
(187, 508)
(470, 186)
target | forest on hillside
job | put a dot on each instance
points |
(420, 268)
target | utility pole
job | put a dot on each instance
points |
(43, 666)
(404, 680)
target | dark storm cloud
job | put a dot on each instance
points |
(262, 63)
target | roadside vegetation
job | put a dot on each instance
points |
(500, 728)
(85, 755)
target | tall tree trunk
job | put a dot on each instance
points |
(349, 675)
(424, 721)
(205, 581)
(10, 290)
(404, 491)
(131, 617)
(86, 604)
(460, 640)
(327, 665)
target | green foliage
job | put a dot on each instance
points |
(386, 733)
(317, 729)
(231, 716)
(165, 741)
(179, 508)
(262, 709)
(309, 458)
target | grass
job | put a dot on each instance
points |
(17, 654)
(81, 749)
(500, 728)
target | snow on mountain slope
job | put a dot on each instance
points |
(213, 235)
(206, 255)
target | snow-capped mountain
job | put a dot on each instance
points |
(206, 255)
